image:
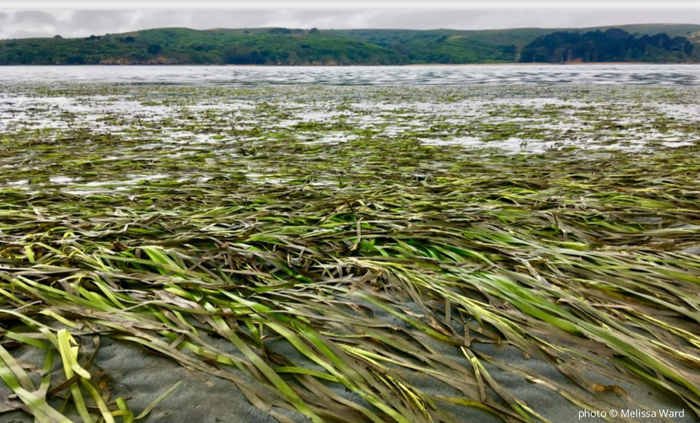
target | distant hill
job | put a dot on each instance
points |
(171, 46)
(672, 30)
(611, 45)
(284, 46)
(489, 46)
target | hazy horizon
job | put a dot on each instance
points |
(83, 23)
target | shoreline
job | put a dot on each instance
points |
(550, 64)
(364, 66)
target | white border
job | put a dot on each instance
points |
(349, 5)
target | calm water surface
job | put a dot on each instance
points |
(361, 75)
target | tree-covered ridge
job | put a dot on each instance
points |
(275, 46)
(612, 45)
(285, 46)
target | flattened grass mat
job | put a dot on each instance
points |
(362, 275)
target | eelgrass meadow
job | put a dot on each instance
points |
(350, 254)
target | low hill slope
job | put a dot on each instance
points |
(284, 46)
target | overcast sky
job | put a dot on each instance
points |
(24, 24)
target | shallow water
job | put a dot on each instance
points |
(617, 74)
(114, 116)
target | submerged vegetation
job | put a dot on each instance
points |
(353, 253)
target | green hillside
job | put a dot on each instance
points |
(283, 46)
(672, 30)
(613, 44)
(188, 46)
(451, 46)
(485, 46)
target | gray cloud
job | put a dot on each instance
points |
(34, 17)
(81, 23)
(100, 22)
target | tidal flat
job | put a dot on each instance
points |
(296, 253)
